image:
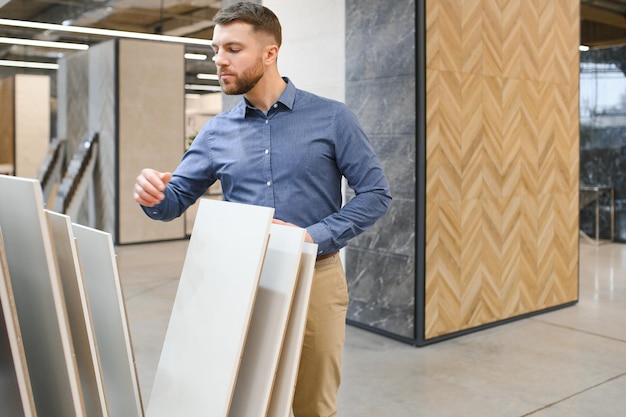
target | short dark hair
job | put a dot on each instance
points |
(260, 17)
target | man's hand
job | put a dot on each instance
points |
(307, 237)
(149, 187)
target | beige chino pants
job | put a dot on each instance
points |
(319, 374)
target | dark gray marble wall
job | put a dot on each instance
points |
(381, 90)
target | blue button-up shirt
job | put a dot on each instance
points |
(291, 159)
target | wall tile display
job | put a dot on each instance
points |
(32, 123)
(7, 123)
(501, 161)
(24, 123)
(380, 264)
(138, 126)
(481, 148)
(102, 118)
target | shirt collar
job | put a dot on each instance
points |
(287, 98)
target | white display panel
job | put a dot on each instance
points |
(211, 313)
(79, 315)
(268, 323)
(287, 372)
(16, 395)
(39, 299)
(110, 323)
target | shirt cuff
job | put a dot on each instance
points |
(322, 236)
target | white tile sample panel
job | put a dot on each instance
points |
(39, 299)
(268, 323)
(287, 372)
(211, 313)
(79, 315)
(16, 395)
(110, 323)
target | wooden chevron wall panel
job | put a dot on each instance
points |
(501, 160)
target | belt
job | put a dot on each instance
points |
(327, 255)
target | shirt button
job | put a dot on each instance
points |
(266, 121)
(267, 151)
(275, 105)
(268, 183)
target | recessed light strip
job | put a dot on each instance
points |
(103, 32)
(197, 57)
(27, 64)
(44, 44)
(202, 87)
(202, 76)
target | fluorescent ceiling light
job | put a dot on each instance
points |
(199, 57)
(103, 32)
(583, 48)
(208, 76)
(200, 87)
(44, 44)
(26, 64)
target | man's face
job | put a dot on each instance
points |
(238, 56)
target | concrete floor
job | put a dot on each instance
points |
(570, 362)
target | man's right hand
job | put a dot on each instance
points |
(149, 187)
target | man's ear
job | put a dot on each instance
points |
(270, 54)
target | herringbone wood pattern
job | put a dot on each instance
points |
(501, 160)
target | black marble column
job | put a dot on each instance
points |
(381, 90)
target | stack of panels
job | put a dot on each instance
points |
(233, 343)
(231, 314)
(39, 300)
(64, 283)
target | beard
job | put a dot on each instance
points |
(244, 82)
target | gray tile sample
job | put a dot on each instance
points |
(39, 299)
(79, 315)
(269, 322)
(106, 302)
(287, 371)
(16, 395)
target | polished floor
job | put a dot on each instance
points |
(570, 362)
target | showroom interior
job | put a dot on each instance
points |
(494, 286)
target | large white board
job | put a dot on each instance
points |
(39, 299)
(79, 314)
(16, 395)
(287, 372)
(269, 321)
(110, 323)
(211, 313)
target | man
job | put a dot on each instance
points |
(284, 148)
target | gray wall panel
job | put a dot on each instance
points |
(380, 264)
(102, 120)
